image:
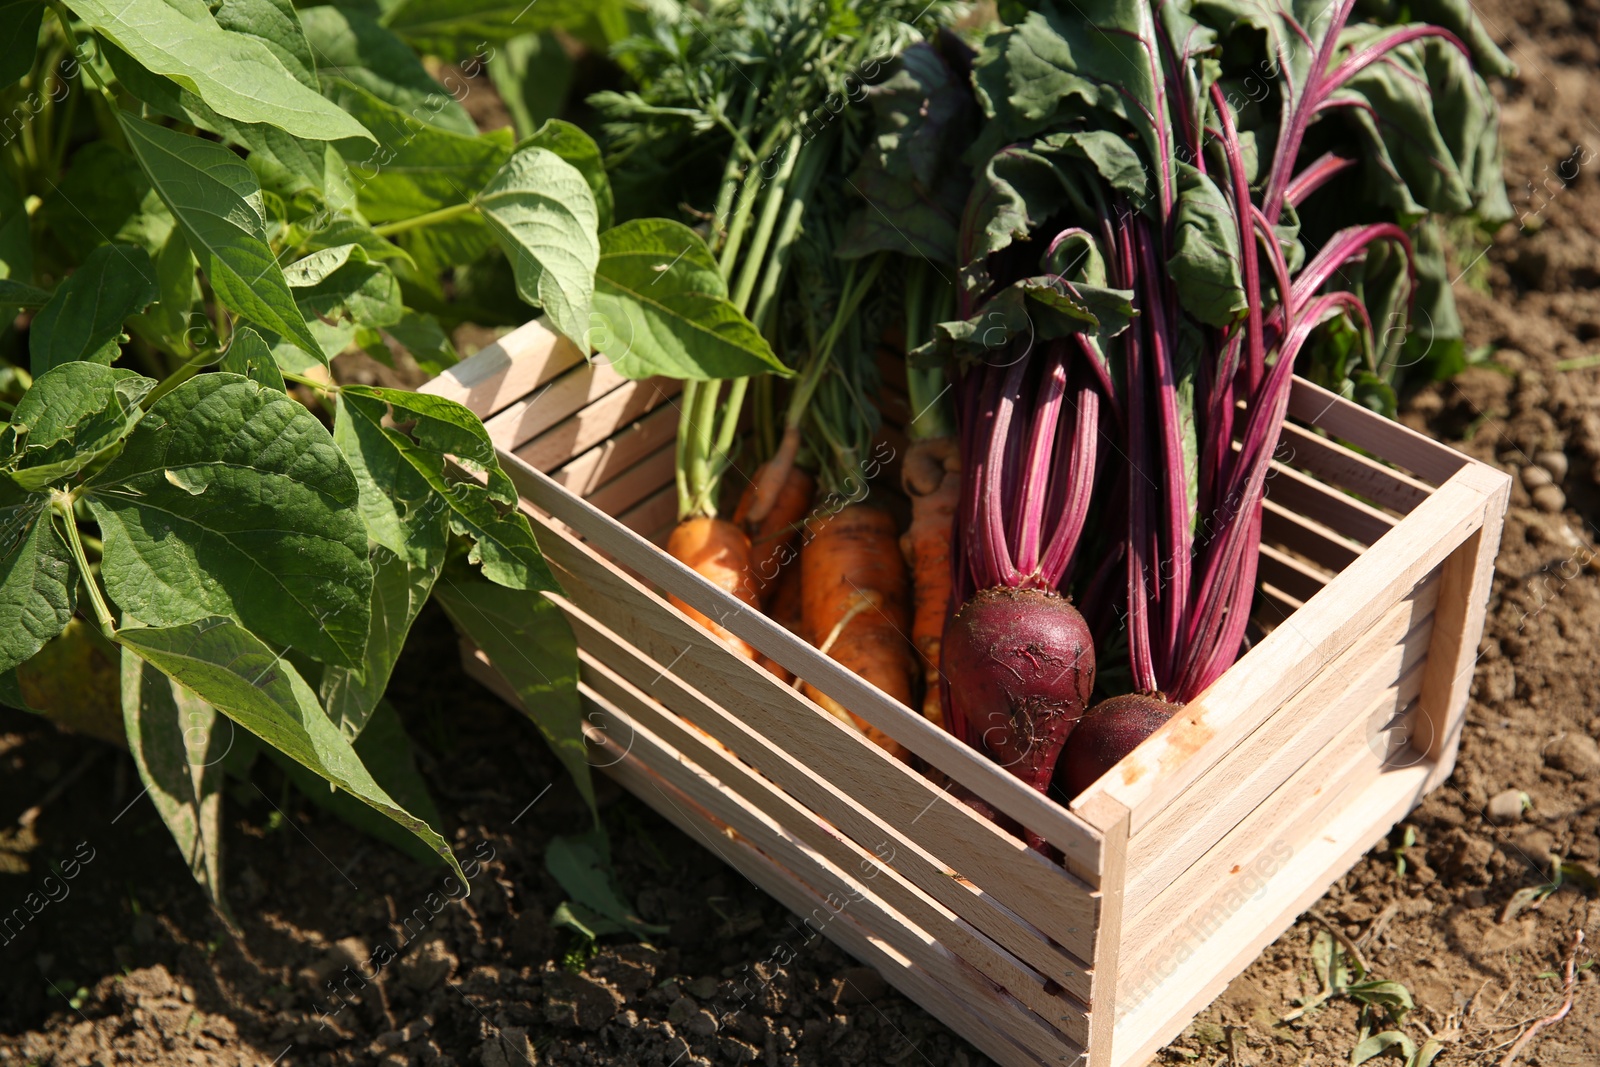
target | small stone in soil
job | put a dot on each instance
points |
(1553, 461)
(1505, 807)
(1575, 753)
(1535, 477)
(1549, 498)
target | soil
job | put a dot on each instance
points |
(124, 962)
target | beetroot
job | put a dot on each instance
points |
(1106, 733)
(1021, 667)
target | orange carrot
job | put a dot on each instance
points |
(772, 537)
(931, 477)
(853, 606)
(772, 479)
(719, 551)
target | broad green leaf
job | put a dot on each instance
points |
(533, 75)
(236, 76)
(406, 487)
(217, 202)
(543, 212)
(422, 336)
(233, 671)
(74, 415)
(661, 307)
(416, 167)
(343, 230)
(177, 742)
(20, 294)
(386, 752)
(179, 289)
(399, 589)
(425, 21)
(343, 280)
(353, 47)
(230, 499)
(578, 148)
(19, 39)
(911, 173)
(83, 320)
(275, 24)
(38, 586)
(582, 865)
(1204, 266)
(531, 646)
(249, 355)
(104, 198)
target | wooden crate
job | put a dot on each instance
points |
(1177, 868)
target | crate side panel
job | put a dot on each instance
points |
(1338, 466)
(596, 422)
(958, 997)
(1242, 779)
(749, 796)
(1283, 822)
(1155, 1014)
(1423, 456)
(490, 380)
(588, 471)
(969, 846)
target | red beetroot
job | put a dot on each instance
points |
(1020, 664)
(1109, 731)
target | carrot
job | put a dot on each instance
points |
(931, 477)
(772, 536)
(718, 551)
(853, 606)
(772, 478)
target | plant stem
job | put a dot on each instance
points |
(750, 271)
(444, 214)
(61, 504)
(204, 358)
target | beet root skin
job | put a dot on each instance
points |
(1020, 664)
(1109, 731)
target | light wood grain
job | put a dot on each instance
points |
(1423, 456)
(515, 365)
(967, 845)
(1283, 822)
(1111, 819)
(1296, 735)
(526, 418)
(958, 997)
(588, 471)
(654, 514)
(1323, 546)
(1282, 571)
(1303, 495)
(638, 483)
(864, 829)
(1150, 777)
(1337, 465)
(855, 875)
(1079, 845)
(1199, 970)
(1463, 602)
(610, 419)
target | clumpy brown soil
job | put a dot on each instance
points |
(128, 966)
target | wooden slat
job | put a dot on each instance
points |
(1217, 802)
(585, 473)
(551, 403)
(654, 513)
(1307, 497)
(1111, 819)
(957, 997)
(611, 417)
(512, 367)
(1203, 968)
(967, 845)
(1285, 819)
(1328, 549)
(653, 696)
(1423, 456)
(793, 837)
(1337, 465)
(1155, 773)
(1283, 571)
(639, 482)
(1078, 843)
(1463, 602)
